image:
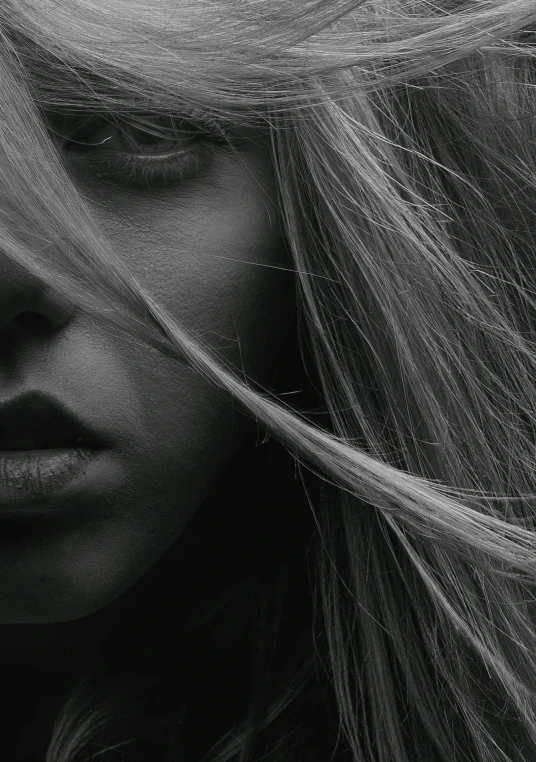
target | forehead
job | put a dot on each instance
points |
(217, 54)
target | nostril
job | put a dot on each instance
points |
(27, 321)
(32, 306)
(29, 318)
(23, 323)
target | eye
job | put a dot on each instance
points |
(159, 135)
(143, 151)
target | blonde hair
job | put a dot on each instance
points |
(402, 137)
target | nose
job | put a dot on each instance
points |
(23, 294)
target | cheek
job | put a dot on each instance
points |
(216, 260)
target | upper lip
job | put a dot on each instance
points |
(34, 421)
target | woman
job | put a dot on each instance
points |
(267, 380)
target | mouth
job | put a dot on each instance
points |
(43, 447)
(34, 421)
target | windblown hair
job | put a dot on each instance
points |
(402, 137)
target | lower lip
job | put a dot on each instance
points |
(29, 476)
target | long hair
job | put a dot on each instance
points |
(401, 136)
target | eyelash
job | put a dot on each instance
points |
(146, 171)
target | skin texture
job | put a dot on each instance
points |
(170, 433)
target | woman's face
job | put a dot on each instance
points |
(208, 249)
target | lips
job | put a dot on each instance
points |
(35, 421)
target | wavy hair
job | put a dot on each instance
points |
(402, 140)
